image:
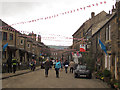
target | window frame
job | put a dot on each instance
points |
(22, 42)
(6, 36)
(11, 34)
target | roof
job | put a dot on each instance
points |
(34, 42)
(89, 22)
(5, 25)
(101, 24)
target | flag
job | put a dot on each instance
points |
(5, 46)
(102, 46)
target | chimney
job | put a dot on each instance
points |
(92, 14)
(113, 9)
(39, 38)
(109, 12)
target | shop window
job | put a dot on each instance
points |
(4, 35)
(11, 36)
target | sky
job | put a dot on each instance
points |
(54, 31)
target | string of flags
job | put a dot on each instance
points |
(56, 15)
(43, 37)
(54, 37)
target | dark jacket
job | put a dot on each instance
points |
(47, 65)
(66, 63)
(9, 61)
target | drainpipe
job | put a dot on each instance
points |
(15, 42)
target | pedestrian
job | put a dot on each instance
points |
(51, 63)
(66, 64)
(72, 63)
(9, 63)
(57, 67)
(54, 62)
(32, 65)
(61, 64)
(47, 66)
(14, 64)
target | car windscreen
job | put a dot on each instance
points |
(81, 67)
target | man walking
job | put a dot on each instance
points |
(14, 63)
(9, 63)
(66, 64)
(47, 66)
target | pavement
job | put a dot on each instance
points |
(17, 73)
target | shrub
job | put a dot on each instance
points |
(106, 73)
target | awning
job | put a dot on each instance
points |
(12, 47)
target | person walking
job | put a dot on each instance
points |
(57, 67)
(32, 65)
(72, 63)
(51, 63)
(9, 63)
(66, 64)
(47, 66)
(14, 63)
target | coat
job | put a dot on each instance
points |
(58, 65)
(47, 65)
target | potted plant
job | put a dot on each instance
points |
(107, 75)
(98, 75)
(116, 85)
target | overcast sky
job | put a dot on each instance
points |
(14, 11)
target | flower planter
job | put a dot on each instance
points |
(116, 86)
(107, 79)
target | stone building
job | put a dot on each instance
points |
(81, 33)
(20, 46)
(108, 33)
(105, 29)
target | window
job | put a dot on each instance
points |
(4, 35)
(28, 45)
(4, 55)
(106, 61)
(11, 36)
(17, 41)
(108, 33)
(21, 42)
(109, 58)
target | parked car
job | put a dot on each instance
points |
(82, 71)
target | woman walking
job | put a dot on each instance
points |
(57, 67)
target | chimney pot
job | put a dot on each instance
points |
(92, 14)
